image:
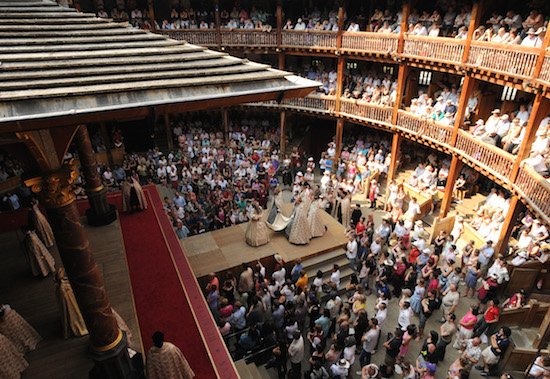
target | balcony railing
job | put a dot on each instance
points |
(535, 189)
(425, 128)
(445, 50)
(544, 75)
(496, 161)
(246, 37)
(316, 102)
(324, 40)
(371, 43)
(512, 60)
(201, 37)
(367, 112)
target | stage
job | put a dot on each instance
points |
(225, 248)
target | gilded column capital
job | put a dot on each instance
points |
(55, 188)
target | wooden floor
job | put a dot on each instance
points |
(224, 248)
(35, 300)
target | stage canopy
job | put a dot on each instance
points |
(62, 67)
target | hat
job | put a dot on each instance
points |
(480, 122)
(431, 367)
(388, 262)
(278, 258)
(531, 31)
(426, 251)
(300, 173)
(299, 20)
(440, 98)
(343, 363)
(418, 222)
(496, 111)
(310, 159)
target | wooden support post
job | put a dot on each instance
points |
(508, 225)
(395, 152)
(225, 116)
(282, 127)
(217, 22)
(169, 134)
(474, 22)
(401, 82)
(541, 107)
(340, 81)
(151, 11)
(341, 13)
(454, 171)
(467, 90)
(540, 59)
(339, 139)
(282, 60)
(279, 16)
(107, 141)
(404, 26)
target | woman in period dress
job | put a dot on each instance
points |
(345, 206)
(13, 362)
(71, 318)
(256, 231)
(316, 225)
(38, 221)
(298, 231)
(19, 332)
(276, 220)
(38, 256)
(132, 195)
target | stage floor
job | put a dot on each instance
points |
(225, 248)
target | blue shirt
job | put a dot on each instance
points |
(485, 255)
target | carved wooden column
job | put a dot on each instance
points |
(454, 171)
(395, 151)
(340, 32)
(100, 212)
(108, 343)
(282, 142)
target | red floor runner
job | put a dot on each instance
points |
(160, 299)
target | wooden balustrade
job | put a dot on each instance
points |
(248, 37)
(535, 189)
(425, 128)
(325, 40)
(366, 111)
(513, 60)
(496, 161)
(201, 37)
(446, 50)
(368, 42)
(544, 75)
(316, 102)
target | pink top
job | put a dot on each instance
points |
(468, 318)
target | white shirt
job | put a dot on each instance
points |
(404, 318)
(335, 278)
(351, 249)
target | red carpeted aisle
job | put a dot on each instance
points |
(160, 298)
